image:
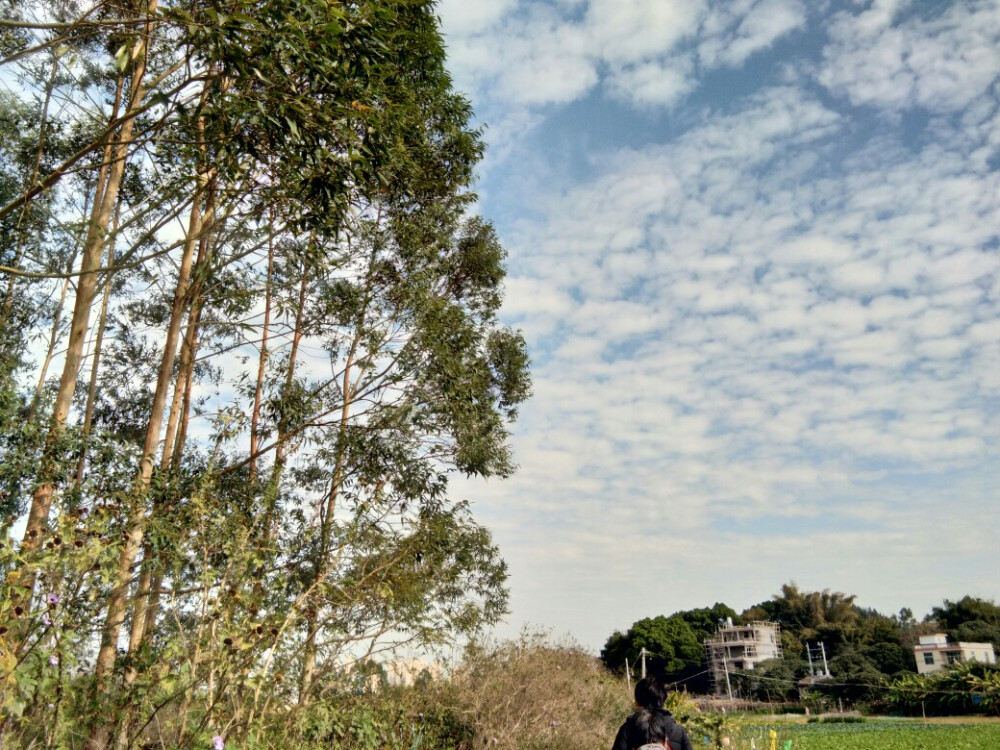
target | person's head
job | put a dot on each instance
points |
(651, 726)
(650, 692)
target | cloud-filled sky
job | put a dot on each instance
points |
(755, 250)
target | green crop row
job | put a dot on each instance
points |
(875, 735)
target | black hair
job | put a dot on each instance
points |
(650, 692)
(651, 726)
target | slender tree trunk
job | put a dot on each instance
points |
(117, 602)
(280, 450)
(88, 413)
(205, 254)
(106, 197)
(185, 414)
(53, 340)
(151, 574)
(180, 389)
(328, 509)
(262, 363)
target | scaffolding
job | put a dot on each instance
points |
(740, 647)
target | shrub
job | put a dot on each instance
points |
(532, 694)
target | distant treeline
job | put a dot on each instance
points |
(867, 651)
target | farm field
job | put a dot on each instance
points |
(873, 735)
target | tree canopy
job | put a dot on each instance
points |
(248, 333)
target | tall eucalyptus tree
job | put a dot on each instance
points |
(297, 345)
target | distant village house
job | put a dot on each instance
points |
(934, 653)
(737, 647)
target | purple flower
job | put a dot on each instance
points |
(217, 742)
(53, 660)
(53, 599)
(45, 619)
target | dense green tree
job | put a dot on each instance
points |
(972, 688)
(705, 621)
(968, 619)
(670, 643)
(774, 680)
(952, 614)
(889, 658)
(854, 678)
(246, 476)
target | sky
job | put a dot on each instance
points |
(754, 248)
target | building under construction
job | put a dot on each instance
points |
(740, 647)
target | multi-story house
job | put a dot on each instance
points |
(934, 652)
(741, 647)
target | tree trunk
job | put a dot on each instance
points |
(88, 413)
(280, 449)
(117, 602)
(262, 363)
(327, 512)
(151, 575)
(53, 340)
(106, 198)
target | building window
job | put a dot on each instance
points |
(954, 657)
(928, 658)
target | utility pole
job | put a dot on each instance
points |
(643, 655)
(820, 654)
(628, 676)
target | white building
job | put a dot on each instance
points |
(934, 653)
(408, 671)
(741, 647)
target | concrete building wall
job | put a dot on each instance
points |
(934, 653)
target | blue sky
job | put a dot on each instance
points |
(754, 250)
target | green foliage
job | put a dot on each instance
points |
(871, 735)
(394, 717)
(953, 615)
(671, 643)
(773, 681)
(972, 688)
(300, 511)
(854, 679)
(888, 658)
(969, 619)
(866, 650)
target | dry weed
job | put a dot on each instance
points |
(532, 693)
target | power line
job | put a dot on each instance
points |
(826, 683)
(832, 683)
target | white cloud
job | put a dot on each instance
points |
(738, 339)
(525, 54)
(654, 83)
(461, 17)
(939, 60)
(742, 28)
(762, 342)
(633, 31)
